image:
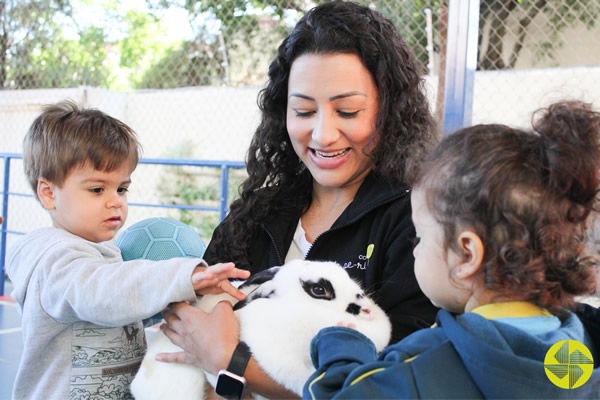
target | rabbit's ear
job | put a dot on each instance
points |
(262, 288)
(260, 277)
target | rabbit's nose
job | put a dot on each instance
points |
(353, 309)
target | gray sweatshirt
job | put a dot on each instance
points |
(82, 306)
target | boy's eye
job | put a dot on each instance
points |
(415, 241)
(122, 190)
(96, 190)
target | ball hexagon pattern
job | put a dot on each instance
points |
(160, 239)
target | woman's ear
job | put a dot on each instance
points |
(472, 257)
(45, 192)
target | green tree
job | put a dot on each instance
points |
(241, 41)
(142, 48)
(190, 63)
(70, 63)
(23, 25)
(34, 52)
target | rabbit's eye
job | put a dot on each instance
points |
(319, 290)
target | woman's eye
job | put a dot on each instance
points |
(345, 114)
(303, 114)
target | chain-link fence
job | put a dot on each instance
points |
(196, 98)
(532, 53)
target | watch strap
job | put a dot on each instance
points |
(239, 359)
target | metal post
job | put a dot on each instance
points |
(429, 30)
(3, 226)
(461, 63)
(224, 190)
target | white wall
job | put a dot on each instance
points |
(218, 122)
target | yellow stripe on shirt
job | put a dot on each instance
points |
(318, 378)
(366, 375)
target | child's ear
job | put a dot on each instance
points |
(472, 256)
(45, 192)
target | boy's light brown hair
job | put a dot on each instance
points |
(65, 136)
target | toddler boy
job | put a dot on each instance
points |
(82, 305)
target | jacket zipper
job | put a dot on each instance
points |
(277, 252)
(351, 221)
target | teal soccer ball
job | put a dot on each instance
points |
(160, 239)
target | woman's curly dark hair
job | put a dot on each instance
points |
(528, 195)
(277, 180)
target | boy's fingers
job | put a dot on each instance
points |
(228, 288)
(221, 267)
(239, 273)
(198, 277)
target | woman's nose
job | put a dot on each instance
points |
(324, 131)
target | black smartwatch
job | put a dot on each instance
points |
(231, 382)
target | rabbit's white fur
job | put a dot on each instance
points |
(277, 322)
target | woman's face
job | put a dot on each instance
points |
(331, 113)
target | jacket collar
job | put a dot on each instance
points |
(510, 309)
(374, 192)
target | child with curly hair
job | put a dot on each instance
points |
(502, 217)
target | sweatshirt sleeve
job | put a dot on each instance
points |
(347, 367)
(83, 281)
(335, 353)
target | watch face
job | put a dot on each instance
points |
(230, 386)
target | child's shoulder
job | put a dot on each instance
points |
(47, 236)
(49, 239)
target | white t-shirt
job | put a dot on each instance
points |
(300, 245)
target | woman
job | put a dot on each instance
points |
(344, 126)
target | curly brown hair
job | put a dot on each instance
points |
(277, 180)
(528, 195)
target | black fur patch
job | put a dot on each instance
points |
(353, 309)
(260, 277)
(322, 289)
(250, 298)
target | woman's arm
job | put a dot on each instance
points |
(208, 341)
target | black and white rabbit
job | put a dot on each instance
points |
(284, 309)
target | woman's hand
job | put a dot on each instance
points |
(207, 340)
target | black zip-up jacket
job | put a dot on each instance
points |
(371, 239)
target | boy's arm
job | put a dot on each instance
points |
(82, 281)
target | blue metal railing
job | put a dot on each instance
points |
(224, 166)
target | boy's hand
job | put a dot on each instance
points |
(215, 279)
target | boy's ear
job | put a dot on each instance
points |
(45, 192)
(472, 257)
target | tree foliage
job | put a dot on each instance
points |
(34, 52)
(233, 43)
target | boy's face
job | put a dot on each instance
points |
(91, 204)
(433, 264)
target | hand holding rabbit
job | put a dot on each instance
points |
(284, 308)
